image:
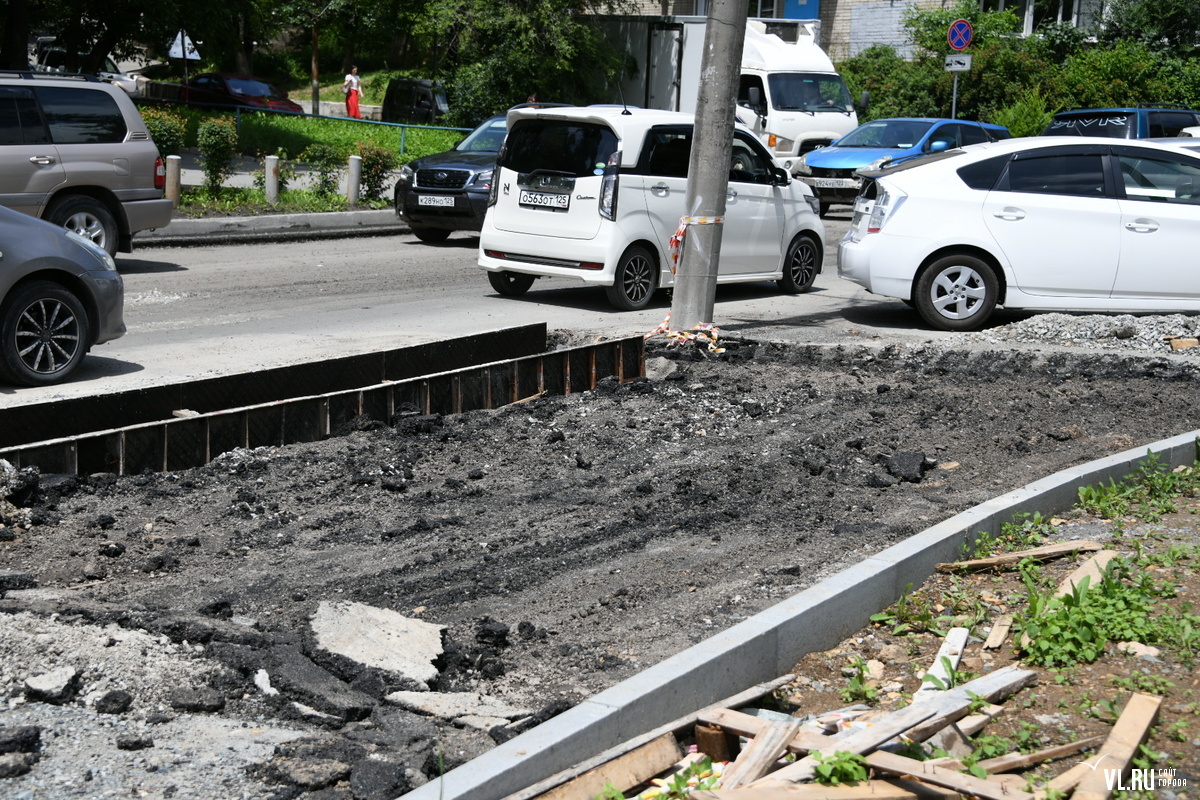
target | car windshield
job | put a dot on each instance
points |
(560, 146)
(896, 134)
(486, 138)
(252, 88)
(808, 91)
(1112, 124)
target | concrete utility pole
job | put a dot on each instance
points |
(708, 170)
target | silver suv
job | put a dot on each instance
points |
(74, 151)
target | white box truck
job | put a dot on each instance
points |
(788, 92)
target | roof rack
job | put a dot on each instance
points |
(30, 75)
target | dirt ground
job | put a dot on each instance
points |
(603, 532)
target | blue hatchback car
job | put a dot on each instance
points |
(831, 171)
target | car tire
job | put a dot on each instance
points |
(510, 284)
(431, 235)
(88, 217)
(957, 293)
(634, 281)
(800, 265)
(44, 334)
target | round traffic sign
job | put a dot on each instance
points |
(960, 34)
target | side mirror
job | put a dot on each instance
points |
(756, 100)
(938, 146)
(864, 101)
(780, 176)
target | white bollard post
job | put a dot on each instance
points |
(174, 170)
(272, 180)
(354, 179)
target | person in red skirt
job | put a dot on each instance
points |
(352, 88)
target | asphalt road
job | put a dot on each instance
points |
(204, 311)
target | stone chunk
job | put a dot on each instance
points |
(399, 646)
(57, 686)
(452, 705)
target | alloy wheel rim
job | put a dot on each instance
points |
(47, 336)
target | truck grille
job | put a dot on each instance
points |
(442, 178)
(818, 172)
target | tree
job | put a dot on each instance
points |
(1170, 26)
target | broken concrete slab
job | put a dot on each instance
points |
(294, 674)
(56, 687)
(451, 705)
(401, 647)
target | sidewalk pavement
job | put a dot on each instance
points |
(265, 227)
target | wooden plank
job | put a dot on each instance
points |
(1000, 629)
(974, 723)
(1063, 783)
(883, 789)
(1043, 553)
(863, 740)
(940, 776)
(624, 772)
(1014, 761)
(944, 663)
(761, 754)
(993, 687)
(1131, 729)
(683, 723)
(748, 725)
(1093, 569)
(717, 744)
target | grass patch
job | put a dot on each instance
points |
(237, 202)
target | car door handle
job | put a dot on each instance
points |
(731, 193)
(1011, 214)
(1141, 226)
(43, 161)
(660, 188)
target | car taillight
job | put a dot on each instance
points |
(160, 174)
(608, 187)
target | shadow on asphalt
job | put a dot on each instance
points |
(135, 265)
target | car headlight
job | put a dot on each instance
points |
(878, 163)
(481, 180)
(407, 173)
(783, 145)
(802, 167)
(101, 255)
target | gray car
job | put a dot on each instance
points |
(60, 294)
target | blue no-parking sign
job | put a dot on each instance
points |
(960, 34)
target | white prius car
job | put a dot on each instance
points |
(1054, 223)
(596, 194)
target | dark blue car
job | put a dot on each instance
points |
(831, 171)
(448, 191)
(1134, 122)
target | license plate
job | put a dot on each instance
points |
(837, 183)
(545, 200)
(435, 200)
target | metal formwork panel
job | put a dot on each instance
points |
(306, 420)
(529, 377)
(581, 373)
(376, 403)
(440, 395)
(144, 449)
(343, 407)
(100, 453)
(473, 390)
(187, 443)
(554, 373)
(226, 432)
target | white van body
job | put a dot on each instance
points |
(781, 58)
(596, 193)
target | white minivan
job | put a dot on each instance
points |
(596, 194)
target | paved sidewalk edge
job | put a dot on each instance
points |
(770, 643)
(210, 230)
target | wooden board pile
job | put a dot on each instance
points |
(777, 759)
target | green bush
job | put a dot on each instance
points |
(264, 133)
(217, 139)
(377, 163)
(167, 128)
(1026, 117)
(328, 161)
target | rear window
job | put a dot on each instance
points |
(983, 174)
(564, 147)
(81, 116)
(20, 122)
(1113, 124)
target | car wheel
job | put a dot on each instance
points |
(635, 280)
(510, 284)
(43, 334)
(87, 217)
(800, 265)
(431, 234)
(957, 293)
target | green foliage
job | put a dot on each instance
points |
(1167, 26)
(859, 690)
(1024, 532)
(1027, 116)
(328, 162)
(167, 128)
(240, 201)
(841, 767)
(287, 172)
(264, 133)
(954, 676)
(610, 792)
(1145, 682)
(377, 163)
(912, 613)
(1149, 491)
(697, 775)
(218, 142)
(928, 27)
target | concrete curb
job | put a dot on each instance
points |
(267, 227)
(770, 643)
